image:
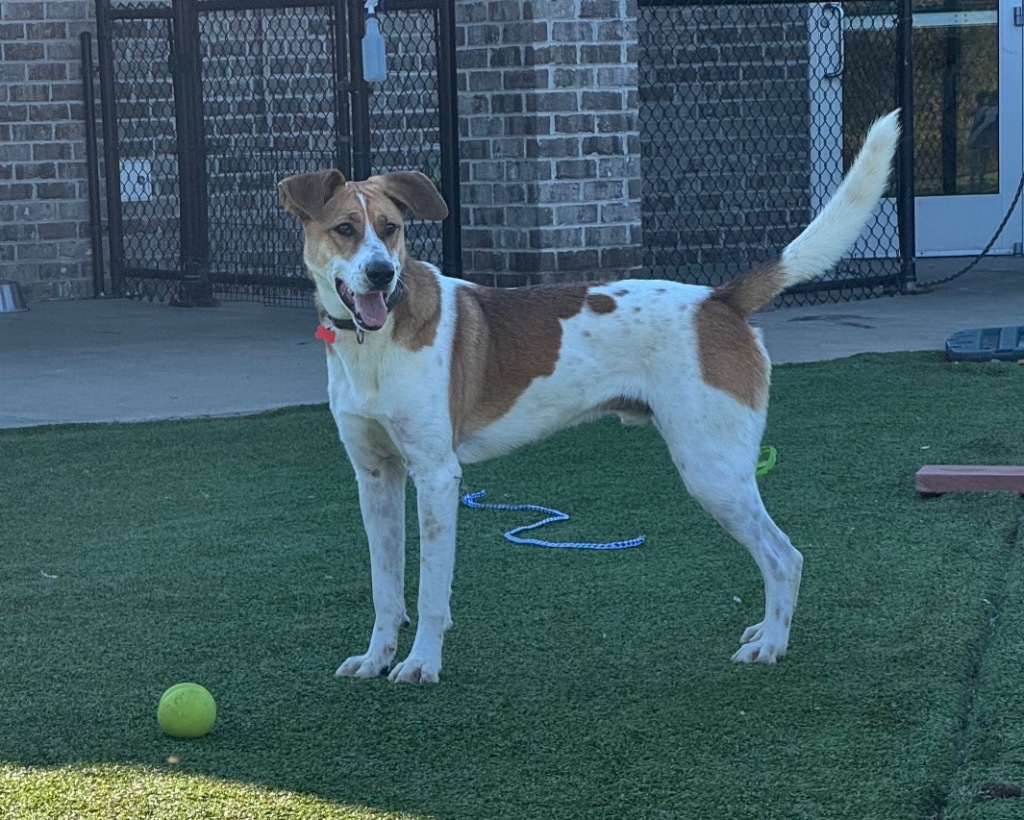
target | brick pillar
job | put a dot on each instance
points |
(549, 140)
(44, 215)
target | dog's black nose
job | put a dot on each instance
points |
(379, 274)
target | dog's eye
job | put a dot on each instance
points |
(390, 228)
(344, 229)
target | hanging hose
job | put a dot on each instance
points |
(988, 247)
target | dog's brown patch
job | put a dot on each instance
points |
(305, 195)
(731, 360)
(753, 290)
(417, 316)
(412, 191)
(432, 529)
(504, 339)
(601, 303)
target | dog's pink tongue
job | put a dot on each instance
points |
(373, 312)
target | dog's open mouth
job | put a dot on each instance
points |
(370, 310)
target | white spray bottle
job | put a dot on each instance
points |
(375, 62)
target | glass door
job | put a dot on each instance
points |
(968, 112)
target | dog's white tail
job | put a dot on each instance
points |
(834, 230)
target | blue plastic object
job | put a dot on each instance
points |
(1005, 344)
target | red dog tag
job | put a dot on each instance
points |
(326, 333)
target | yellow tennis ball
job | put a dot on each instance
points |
(186, 710)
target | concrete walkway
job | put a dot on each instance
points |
(990, 295)
(103, 361)
(119, 360)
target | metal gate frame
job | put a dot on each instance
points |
(193, 277)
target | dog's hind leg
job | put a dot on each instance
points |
(719, 472)
(381, 479)
(781, 565)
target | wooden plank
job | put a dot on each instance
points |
(935, 479)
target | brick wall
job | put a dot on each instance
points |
(567, 172)
(725, 135)
(44, 219)
(551, 168)
(548, 139)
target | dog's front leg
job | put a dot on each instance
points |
(437, 495)
(382, 502)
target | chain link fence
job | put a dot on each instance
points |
(750, 113)
(143, 178)
(269, 110)
(404, 132)
(209, 103)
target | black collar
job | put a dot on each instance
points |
(397, 295)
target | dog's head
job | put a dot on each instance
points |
(355, 235)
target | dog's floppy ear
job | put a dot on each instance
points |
(414, 192)
(306, 194)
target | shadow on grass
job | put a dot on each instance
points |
(576, 684)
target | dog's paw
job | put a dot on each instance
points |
(759, 652)
(759, 647)
(363, 666)
(752, 633)
(416, 670)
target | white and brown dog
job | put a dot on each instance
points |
(427, 373)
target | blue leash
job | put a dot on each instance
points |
(766, 461)
(473, 500)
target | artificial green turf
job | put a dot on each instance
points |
(575, 684)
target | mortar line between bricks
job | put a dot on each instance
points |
(938, 803)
